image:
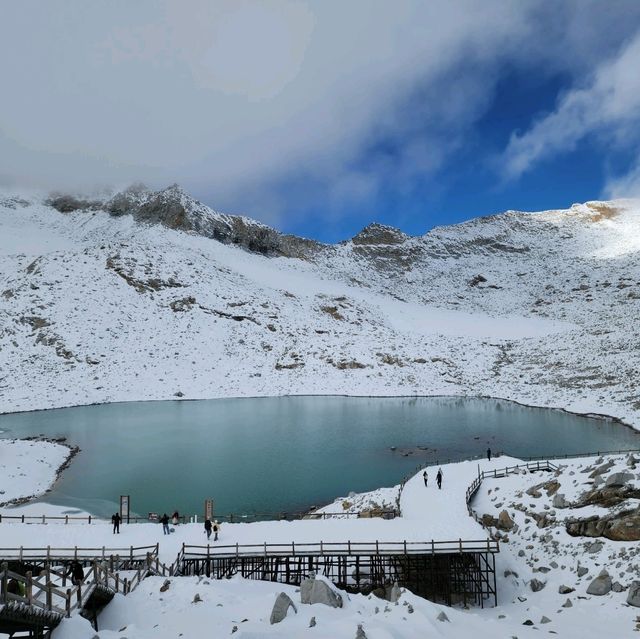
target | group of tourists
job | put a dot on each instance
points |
(425, 477)
(164, 520)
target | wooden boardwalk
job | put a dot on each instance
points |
(46, 593)
(443, 571)
(450, 572)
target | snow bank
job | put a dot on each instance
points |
(28, 468)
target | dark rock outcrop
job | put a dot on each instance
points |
(623, 526)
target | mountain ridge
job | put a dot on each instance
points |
(99, 306)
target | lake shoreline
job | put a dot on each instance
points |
(72, 451)
(587, 414)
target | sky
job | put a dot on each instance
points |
(321, 117)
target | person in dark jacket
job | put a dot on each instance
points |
(76, 571)
(165, 524)
(115, 520)
(489, 454)
(13, 587)
(426, 478)
(208, 527)
(439, 478)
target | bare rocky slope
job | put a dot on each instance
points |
(152, 295)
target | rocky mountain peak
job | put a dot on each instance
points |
(377, 234)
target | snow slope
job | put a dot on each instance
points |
(110, 303)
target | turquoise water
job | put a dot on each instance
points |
(286, 453)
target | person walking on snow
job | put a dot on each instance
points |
(207, 528)
(165, 524)
(488, 454)
(216, 530)
(115, 520)
(426, 478)
(439, 478)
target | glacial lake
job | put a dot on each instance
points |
(286, 454)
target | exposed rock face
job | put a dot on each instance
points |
(623, 526)
(503, 522)
(174, 208)
(601, 585)
(608, 496)
(281, 607)
(376, 234)
(69, 203)
(313, 591)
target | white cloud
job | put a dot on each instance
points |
(624, 186)
(607, 105)
(231, 97)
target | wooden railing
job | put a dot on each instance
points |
(580, 455)
(229, 518)
(51, 554)
(545, 465)
(52, 596)
(48, 591)
(348, 548)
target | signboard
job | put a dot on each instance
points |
(208, 508)
(124, 507)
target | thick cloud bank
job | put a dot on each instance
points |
(233, 98)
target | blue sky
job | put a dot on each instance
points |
(320, 117)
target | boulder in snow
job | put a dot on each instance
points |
(537, 585)
(313, 591)
(559, 501)
(633, 597)
(504, 521)
(601, 585)
(281, 608)
(619, 479)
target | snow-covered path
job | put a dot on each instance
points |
(428, 514)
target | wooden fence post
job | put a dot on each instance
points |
(3, 592)
(29, 588)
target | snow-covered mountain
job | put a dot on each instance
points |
(152, 295)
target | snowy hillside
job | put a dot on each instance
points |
(155, 296)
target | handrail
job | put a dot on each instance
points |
(546, 458)
(349, 548)
(388, 513)
(52, 553)
(71, 598)
(502, 472)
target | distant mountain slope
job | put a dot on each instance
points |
(144, 295)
